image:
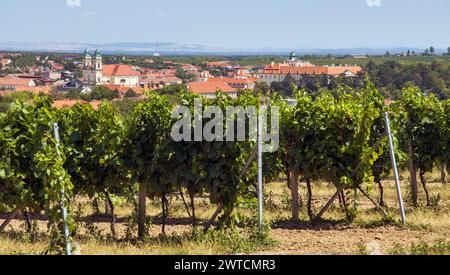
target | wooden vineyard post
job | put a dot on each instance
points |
(9, 219)
(221, 206)
(142, 211)
(443, 175)
(328, 204)
(295, 198)
(412, 170)
(377, 205)
(413, 174)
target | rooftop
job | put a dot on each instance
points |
(10, 80)
(119, 70)
(330, 70)
(210, 87)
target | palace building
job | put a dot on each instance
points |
(297, 69)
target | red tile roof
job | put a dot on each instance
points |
(119, 70)
(157, 73)
(273, 67)
(95, 104)
(388, 101)
(15, 81)
(38, 89)
(160, 78)
(123, 89)
(5, 61)
(67, 103)
(57, 67)
(311, 70)
(70, 103)
(171, 79)
(230, 80)
(210, 87)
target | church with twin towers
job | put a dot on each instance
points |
(96, 73)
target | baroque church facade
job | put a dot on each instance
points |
(93, 68)
(95, 73)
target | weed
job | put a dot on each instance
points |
(439, 248)
(435, 202)
(362, 249)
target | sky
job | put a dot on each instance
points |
(238, 24)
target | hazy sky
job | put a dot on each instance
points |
(231, 23)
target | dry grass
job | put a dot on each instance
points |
(336, 236)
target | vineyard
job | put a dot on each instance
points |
(332, 146)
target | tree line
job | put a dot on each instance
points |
(389, 77)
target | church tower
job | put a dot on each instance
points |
(93, 68)
(98, 61)
(98, 67)
(292, 56)
(87, 59)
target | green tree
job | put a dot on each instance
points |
(262, 88)
(175, 89)
(446, 133)
(125, 106)
(7, 100)
(285, 87)
(25, 60)
(432, 50)
(130, 93)
(100, 93)
(371, 66)
(185, 76)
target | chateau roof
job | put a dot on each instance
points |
(311, 70)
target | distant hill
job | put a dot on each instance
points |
(168, 48)
(124, 48)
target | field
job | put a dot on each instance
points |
(427, 230)
(318, 60)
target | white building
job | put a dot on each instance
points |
(93, 68)
(13, 82)
(297, 69)
(95, 73)
(53, 75)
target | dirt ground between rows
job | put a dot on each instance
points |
(330, 240)
(365, 235)
(347, 240)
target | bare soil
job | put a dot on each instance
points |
(334, 236)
